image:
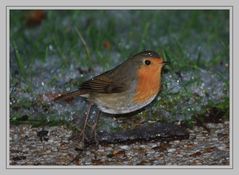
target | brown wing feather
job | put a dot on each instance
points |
(111, 81)
(102, 84)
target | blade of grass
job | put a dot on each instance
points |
(145, 32)
(83, 42)
(20, 62)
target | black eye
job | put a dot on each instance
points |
(147, 62)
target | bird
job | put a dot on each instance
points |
(126, 88)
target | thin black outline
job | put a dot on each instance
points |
(231, 8)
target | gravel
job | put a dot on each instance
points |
(28, 147)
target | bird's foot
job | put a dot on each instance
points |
(79, 139)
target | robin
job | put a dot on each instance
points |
(126, 88)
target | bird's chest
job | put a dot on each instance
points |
(147, 87)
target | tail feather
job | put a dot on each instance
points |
(68, 96)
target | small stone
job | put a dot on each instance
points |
(214, 139)
(177, 141)
(222, 147)
(125, 147)
(171, 150)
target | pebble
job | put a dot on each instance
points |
(125, 147)
(171, 150)
(200, 149)
(222, 147)
(177, 141)
(215, 139)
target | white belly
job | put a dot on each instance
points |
(117, 107)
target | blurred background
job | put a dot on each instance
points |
(56, 50)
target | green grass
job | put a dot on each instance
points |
(190, 40)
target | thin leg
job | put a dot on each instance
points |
(82, 133)
(95, 125)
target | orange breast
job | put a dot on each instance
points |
(148, 84)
